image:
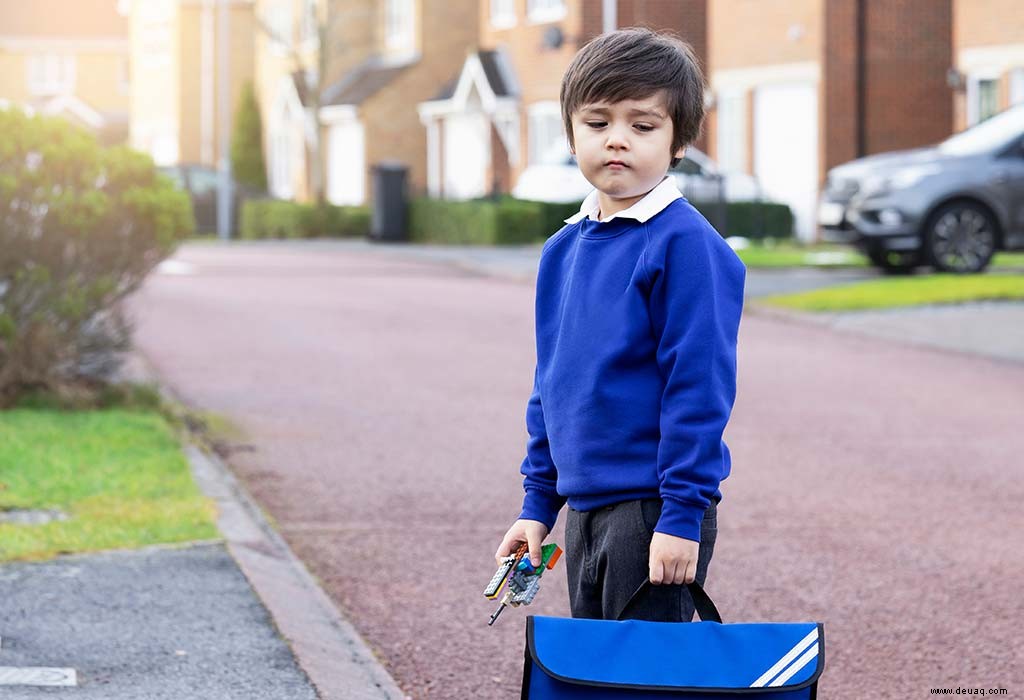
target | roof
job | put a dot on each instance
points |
(495, 71)
(60, 19)
(361, 83)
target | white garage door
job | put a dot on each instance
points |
(466, 153)
(346, 164)
(786, 148)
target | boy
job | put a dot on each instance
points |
(637, 314)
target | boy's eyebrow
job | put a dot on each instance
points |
(634, 111)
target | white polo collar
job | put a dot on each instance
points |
(653, 202)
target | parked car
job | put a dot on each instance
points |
(201, 181)
(951, 206)
(697, 176)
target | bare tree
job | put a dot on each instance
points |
(313, 73)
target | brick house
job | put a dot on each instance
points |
(803, 85)
(383, 58)
(988, 46)
(174, 107)
(69, 61)
(499, 111)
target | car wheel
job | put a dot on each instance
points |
(960, 237)
(893, 262)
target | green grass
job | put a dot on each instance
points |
(791, 254)
(788, 253)
(905, 291)
(119, 474)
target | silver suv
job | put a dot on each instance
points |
(951, 206)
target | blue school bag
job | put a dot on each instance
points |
(580, 659)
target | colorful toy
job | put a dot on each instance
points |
(522, 578)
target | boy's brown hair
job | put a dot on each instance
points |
(633, 64)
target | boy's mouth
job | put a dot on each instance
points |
(613, 163)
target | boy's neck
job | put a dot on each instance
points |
(606, 205)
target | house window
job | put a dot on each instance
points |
(545, 10)
(398, 28)
(309, 21)
(982, 96)
(503, 14)
(546, 137)
(731, 141)
(279, 21)
(51, 74)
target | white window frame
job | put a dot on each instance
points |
(731, 130)
(974, 80)
(51, 74)
(400, 26)
(1016, 86)
(540, 11)
(279, 20)
(503, 14)
(545, 130)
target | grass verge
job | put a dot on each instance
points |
(118, 473)
(788, 253)
(894, 292)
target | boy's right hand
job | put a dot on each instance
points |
(532, 532)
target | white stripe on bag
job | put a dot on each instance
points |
(811, 638)
(800, 663)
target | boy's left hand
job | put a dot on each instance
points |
(673, 559)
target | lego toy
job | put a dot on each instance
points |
(522, 578)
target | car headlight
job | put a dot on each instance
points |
(898, 180)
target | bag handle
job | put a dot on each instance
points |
(702, 603)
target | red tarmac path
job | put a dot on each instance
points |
(876, 487)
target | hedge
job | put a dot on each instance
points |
(269, 218)
(508, 221)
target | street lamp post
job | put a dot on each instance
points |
(224, 194)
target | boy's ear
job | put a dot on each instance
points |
(680, 153)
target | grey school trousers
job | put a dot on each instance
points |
(607, 558)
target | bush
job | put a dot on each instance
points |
(247, 142)
(501, 221)
(757, 220)
(507, 220)
(80, 227)
(269, 218)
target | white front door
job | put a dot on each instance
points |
(786, 148)
(467, 150)
(346, 164)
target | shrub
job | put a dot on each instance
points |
(247, 142)
(80, 227)
(751, 219)
(270, 218)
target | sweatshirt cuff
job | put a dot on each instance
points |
(542, 506)
(680, 519)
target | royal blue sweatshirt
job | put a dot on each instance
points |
(636, 328)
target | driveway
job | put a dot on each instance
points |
(876, 487)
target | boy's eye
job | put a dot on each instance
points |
(644, 127)
(595, 125)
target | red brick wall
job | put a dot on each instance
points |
(909, 50)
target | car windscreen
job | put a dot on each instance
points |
(993, 133)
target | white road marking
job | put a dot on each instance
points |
(11, 675)
(175, 267)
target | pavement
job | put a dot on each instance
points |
(876, 483)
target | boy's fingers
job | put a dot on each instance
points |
(657, 571)
(535, 555)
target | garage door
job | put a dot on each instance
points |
(786, 148)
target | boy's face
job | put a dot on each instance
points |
(623, 148)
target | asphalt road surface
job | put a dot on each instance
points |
(876, 487)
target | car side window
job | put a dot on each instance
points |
(688, 167)
(203, 181)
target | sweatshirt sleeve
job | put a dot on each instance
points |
(696, 298)
(541, 501)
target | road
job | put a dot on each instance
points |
(876, 487)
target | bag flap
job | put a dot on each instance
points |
(677, 656)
